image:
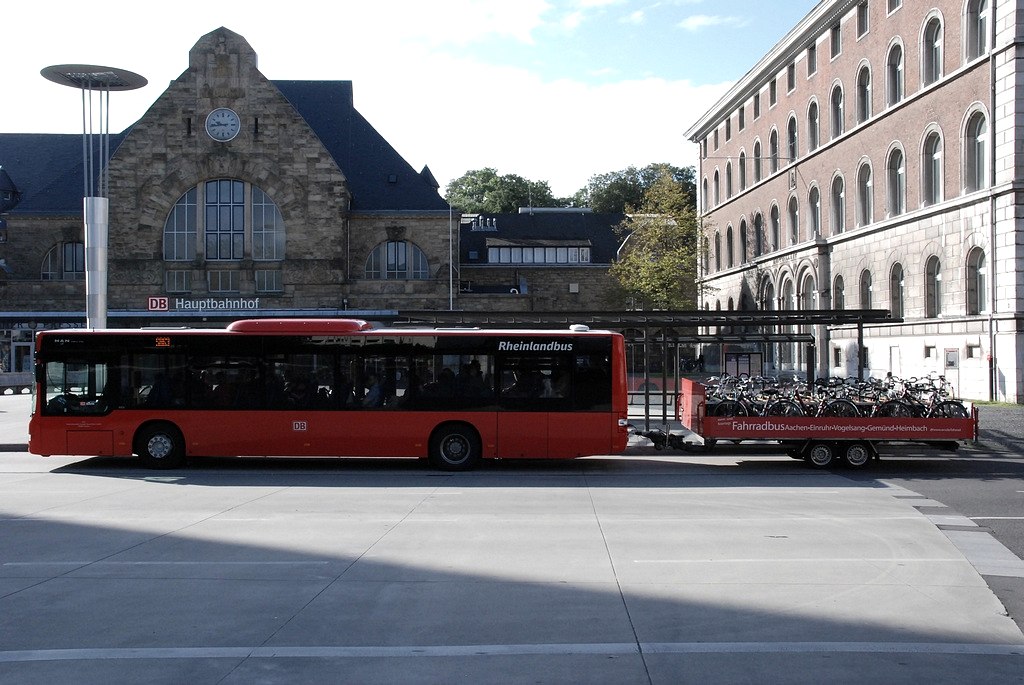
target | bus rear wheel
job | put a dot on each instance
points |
(160, 446)
(454, 447)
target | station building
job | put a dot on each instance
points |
(236, 196)
(872, 160)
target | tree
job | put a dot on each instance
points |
(616, 191)
(658, 267)
(484, 191)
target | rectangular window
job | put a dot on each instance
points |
(894, 5)
(757, 105)
(741, 117)
(974, 351)
(862, 18)
(773, 93)
(267, 228)
(178, 281)
(716, 138)
(585, 255)
(790, 77)
(929, 351)
(812, 59)
(225, 219)
(836, 40)
(728, 130)
(223, 281)
(74, 261)
(269, 281)
(551, 255)
(837, 357)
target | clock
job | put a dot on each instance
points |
(222, 124)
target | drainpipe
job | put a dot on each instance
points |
(993, 363)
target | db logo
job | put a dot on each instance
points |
(299, 426)
(158, 304)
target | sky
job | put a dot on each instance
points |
(550, 90)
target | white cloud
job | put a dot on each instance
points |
(696, 22)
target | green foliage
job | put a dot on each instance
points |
(618, 192)
(658, 267)
(484, 191)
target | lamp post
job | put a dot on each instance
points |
(95, 151)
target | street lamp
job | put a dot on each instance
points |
(95, 151)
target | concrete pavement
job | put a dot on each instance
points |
(656, 567)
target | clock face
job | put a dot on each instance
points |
(222, 124)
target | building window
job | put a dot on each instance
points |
(397, 260)
(894, 75)
(180, 229)
(773, 93)
(718, 251)
(862, 19)
(812, 59)
(894, 5)
(757, 161)
(223, 280)
(792, 148)
(977, 28)
(758, 235)
(269, 281)
(838, 120)
(744, 242)
(812, 127)
(839, 294)
(178, 281)
(267, 228)
(790, 77)
(836, 41)
(757, 105)
(933, 288)
(728, 180)
(808, 294)
(865, 289)
(728, 130)
(863, 95)
(897, 183)
(776, 228)
(814, 203)
(838, 197)
(931, 52)
(741, 117)
(975, 143)
(865, 209)
(931, 170)
(743, 171)
(773, 151)
(64, 262)
(224, 226)
(730, 253)
(704, 194)
(896, 290)
(716, 188)
(794, 221)
(977, 282)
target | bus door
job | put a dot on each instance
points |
(531, 387)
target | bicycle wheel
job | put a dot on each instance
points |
(844, 408)
(949, 409)
(730, 408)
(784, 408)
(894, 409)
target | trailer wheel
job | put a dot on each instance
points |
(821, 455)
(160, 446)
(857, 455)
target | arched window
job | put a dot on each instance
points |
(794, 221)
(838, 201)
(838, 293)
(932, 287)
(977, 282)
(757, 161)
(863, 94)
(813, 129)
(180, 229)
(730, 250)
(743, 171)
(744, 240)
(865, 206)
(836, 103)
(897, 181)
(728, 180)
(718, 251)
(865, 289)
(758, 234)
(975, 145)
(931, 52)
(397, 260)
(931, 170)
(267, 228)
(894, 75)
(64, 262)
(768, 297)
(773, 151)
(776, 229)
(808, 294)
(716, 187)
(814, 204)
(704, 194)
(896, 290)
(792, 149)
(977, 19)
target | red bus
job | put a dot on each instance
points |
(329, 387)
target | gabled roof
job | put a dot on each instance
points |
(541, 228)
(46, 168)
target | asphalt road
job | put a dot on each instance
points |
(654, 567)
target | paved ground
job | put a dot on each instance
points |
(650, 568)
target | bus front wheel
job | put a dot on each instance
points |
(454, 447)
(160, 446)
